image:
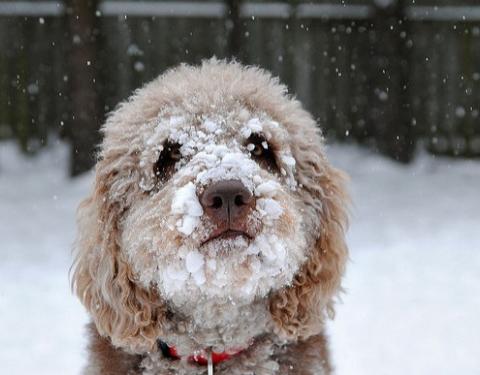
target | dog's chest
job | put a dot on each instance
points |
(222, 327)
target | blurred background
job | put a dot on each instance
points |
(395, 86)
(388, 74)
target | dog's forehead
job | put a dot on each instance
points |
(194, 131)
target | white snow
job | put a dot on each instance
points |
(412, 301)
(270, 208)
(210, 125)
(134, 50)
(176, 274)
(272, 249)
(460, 112)
(139, 66)
(217, 163)
(41, 323)
(199, 277)
(413, 282)
(267, 188)
(194, 261)
(174, 277)
(254, 125)
(185, 203)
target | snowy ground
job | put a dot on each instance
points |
(413, 284)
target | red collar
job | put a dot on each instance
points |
(201, 359)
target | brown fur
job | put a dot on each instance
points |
(298, 310)
(129, 318)
(108, 360)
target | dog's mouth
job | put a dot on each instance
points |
(227, 234)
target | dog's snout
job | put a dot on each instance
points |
(227, 201)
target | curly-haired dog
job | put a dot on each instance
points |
(213, 240)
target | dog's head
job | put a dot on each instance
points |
(212, 185)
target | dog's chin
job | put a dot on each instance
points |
(230, 267)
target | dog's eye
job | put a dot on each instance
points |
(257, 150)
(262, 152)
(165, 165)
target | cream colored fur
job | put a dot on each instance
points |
(128, 237)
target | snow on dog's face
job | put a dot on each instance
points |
(191, 246)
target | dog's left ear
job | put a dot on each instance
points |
(299, 310)
(128, 314)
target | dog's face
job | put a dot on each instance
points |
(212, 186)
(217, 216)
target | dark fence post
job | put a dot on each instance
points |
(234, 28)
(83, 72)
(390, 113)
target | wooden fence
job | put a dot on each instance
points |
(381, 73)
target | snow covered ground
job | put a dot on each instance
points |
(413, 284)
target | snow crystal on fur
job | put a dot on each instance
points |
(185, 203)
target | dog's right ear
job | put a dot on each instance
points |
(122, 310)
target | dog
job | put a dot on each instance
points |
(213, 241)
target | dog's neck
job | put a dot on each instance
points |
(227, 326)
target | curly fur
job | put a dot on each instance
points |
(130, 314)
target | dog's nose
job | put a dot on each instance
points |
(227, 201)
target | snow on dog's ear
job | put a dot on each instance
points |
(128, 314)
(300, 310)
